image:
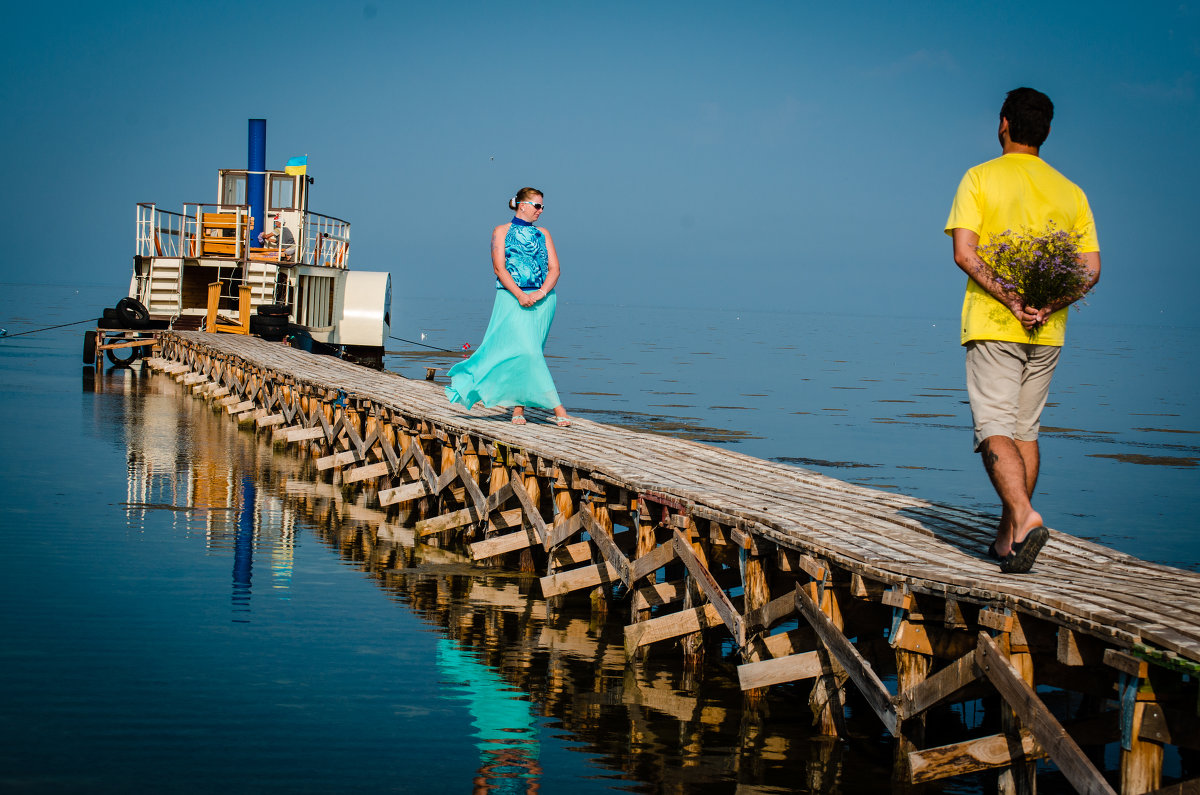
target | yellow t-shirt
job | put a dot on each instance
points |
(1016, 192)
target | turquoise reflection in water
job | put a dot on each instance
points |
(505, 728)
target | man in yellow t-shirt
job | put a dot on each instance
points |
(1012, 349)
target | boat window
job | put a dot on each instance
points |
(235, 189)
(283, 189)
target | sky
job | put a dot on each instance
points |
(779, 155)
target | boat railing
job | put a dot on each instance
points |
(159, 232)
(326, 241)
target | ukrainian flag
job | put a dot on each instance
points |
(296, 165)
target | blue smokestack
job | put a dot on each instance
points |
(256, 181)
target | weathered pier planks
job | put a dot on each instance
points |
(804, 577)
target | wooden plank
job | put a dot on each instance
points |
(712, 590)
(1126, 663)
(969, 756)
(499, 545)
(473, 490)
(462, 516)
(500, 521)
(362, 473)
(898, 597)
(860, 671)
(586, 577)
(302, 434)
(338, 460)
(1034, 716)
(783, 669)
(562, 529)
(427, 473)
(996, 619)
(571, 555)
(771, 613)
(532, 515)
(652, 561)
(670, 626)
(605, 544)
(269, 421)
(781, 644)
(658, 594)
(938, 687)
(409, 491)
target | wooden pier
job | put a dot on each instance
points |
(870, 595)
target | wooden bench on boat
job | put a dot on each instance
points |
(221, 232)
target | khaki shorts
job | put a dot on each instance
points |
(1008, 383)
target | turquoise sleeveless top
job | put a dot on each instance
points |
(525, 256)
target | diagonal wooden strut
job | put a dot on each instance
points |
(841, 650)
(1037, 719)
(724, 607)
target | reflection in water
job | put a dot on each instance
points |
(507, 736)
(243, 552)
(184, 459)
(516, 666)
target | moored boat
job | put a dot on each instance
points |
(255, 261)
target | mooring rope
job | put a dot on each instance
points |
(422, 344)
(5, 335)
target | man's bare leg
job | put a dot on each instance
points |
(1012, 467)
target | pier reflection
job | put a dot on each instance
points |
(188, 462)
(521, 668)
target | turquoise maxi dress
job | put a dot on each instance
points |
(508, 369)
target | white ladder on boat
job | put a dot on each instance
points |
(260, 277)
(164, 293)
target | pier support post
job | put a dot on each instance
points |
(693, 644)
(1020, 777)
(826, 696)
(564, 501)
(756, 594)
(599, 595)
(1141, 765)
(912, 669)
(534, 487)
(645, 545)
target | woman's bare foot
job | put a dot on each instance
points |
(518, 415)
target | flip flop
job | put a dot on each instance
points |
(518, 419)
(1024, 553)
(562, 422)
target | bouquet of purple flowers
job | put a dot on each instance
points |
(1042, 269)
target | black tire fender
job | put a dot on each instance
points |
(275, 310)
(133, 313)
(123, 357)
(89, 347)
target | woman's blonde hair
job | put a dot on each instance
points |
(522, 196)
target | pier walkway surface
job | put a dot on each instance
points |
(808, 577)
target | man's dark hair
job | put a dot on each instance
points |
(1029, 113)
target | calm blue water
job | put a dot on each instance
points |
(185, 611)
(881, 401)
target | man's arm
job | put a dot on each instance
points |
(967, 257)
(1091, 261)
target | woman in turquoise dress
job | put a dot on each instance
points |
(508, 369)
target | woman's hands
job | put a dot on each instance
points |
(529, 299)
